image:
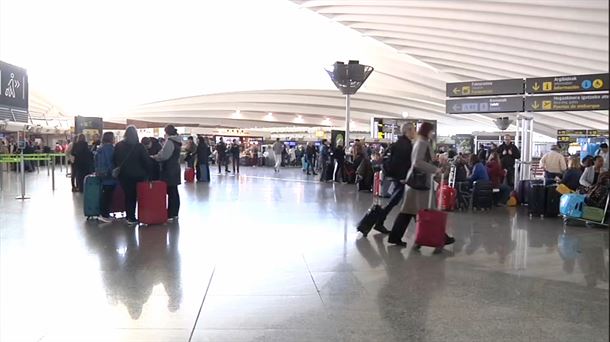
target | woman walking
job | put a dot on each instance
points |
(132, 161)
(414, 200)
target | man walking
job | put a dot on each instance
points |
(277, 147)
(310, 156)
(508, 154)
(396, 166)
(235, 152)
(221, 156)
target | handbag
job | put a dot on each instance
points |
(117, 170)
(416, 179)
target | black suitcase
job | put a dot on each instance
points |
(552, 198)
(524, 187)
(368, 221)
(482, 195)
(536, 203)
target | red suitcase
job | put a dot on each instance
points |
(431, 226)
(189, 175)
(152, 202)
(446, 198)
(117, 206)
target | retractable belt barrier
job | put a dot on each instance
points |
(6, 159)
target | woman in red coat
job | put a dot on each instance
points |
(496, 176)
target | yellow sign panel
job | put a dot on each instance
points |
(466, 90)
(598, 83)
(547, 86)
(547, 104)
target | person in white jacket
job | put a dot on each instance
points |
(591, 174)
(553, 163)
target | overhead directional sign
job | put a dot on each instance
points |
(561, 84)
(484, 105)
(485, 88)
(13, 86)
(575, 102)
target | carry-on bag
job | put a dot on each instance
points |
(152, 202)
(563, 189)
(370, 218)
(482, 195)
(571, 205)
(189, 175)
(524, 189)
(117, 206)
(446, 197)
(536, 199)
(551, 200)
(431, 226)
(592, 213)
(92, 196)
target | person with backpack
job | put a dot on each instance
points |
(104, 165)
(396, 164)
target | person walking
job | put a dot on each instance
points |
(235, 152)
(203, 158)
(310, 156)
(169, 157)
(508, 154)
(104, 165)
(324, 160)
(221, 156)
(83, 161)
(132, 160)
(416, 200)
(339, 157)
(396, 167)
(277, 148)
(553, 163)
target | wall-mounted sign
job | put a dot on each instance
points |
(485, 88)
(484, 105)
(572, 83)
(89, 126)
(13, 86)
(566, 102)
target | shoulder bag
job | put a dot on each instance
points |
(117, 170)
(416, 179)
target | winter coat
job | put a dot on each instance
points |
(169, 156)
(414, 200)
(104, 164)
(133, 160)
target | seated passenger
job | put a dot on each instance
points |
(461, 170)
(591, 174)
(496, 175)
(598, 193)
(479, 172)
(571, 178)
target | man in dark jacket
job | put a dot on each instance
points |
(310, 155)
(221, 156)
(235, 152)
(169, 157)
(397, 166)
(508, 154)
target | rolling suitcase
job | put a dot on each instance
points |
(189, 175)
(370, 218)
(430, 227)
(524, 189)
(117, 205)
(92, 196)
(446, 198)
(536, 199)
(552, 198)
(482, 195)
(152, 202)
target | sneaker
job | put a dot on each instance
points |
(104, 219)
(397, 243)
(132, 222)
(172, 219)
(449, 240)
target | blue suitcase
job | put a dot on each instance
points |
(92, 196)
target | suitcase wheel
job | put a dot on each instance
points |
(438, 250)
(416, 247)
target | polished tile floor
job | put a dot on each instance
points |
(267, 257)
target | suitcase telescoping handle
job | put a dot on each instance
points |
(431, 195)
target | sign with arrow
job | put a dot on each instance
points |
(576, 102)
(484, 105)
(485, 88)
(562, 84)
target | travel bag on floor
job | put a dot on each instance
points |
(592, 213)
(370, 218)
(446, 198)
(92, 196)
(152, 202)
(482, 195)
(552, 199)
(571, 205)
(431, 226)
(524, 189)
(203, 173)
(117, 205)
(189, 175)
(536, 199)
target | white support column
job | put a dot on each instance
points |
(347, 120)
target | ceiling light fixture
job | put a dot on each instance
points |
(405, 114)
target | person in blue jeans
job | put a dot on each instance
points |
(103, 168)
(479, 171)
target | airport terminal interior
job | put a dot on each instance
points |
(286, 130)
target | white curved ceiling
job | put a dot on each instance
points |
(267, 56)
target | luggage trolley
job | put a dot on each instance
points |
(603, 222)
